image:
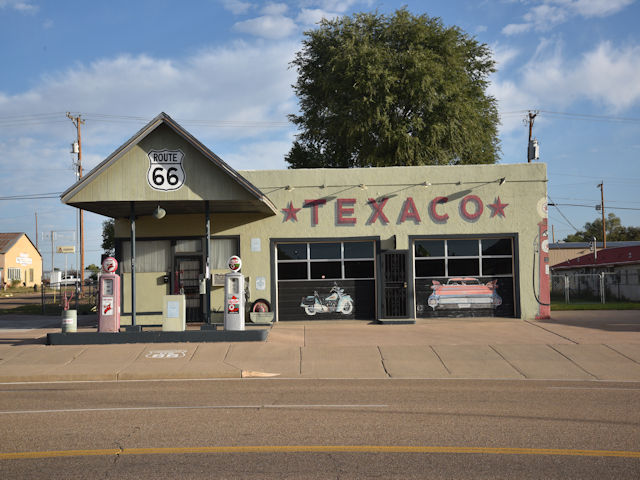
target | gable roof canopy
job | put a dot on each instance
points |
(123, 180)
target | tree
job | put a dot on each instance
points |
(615, 231)
(400, 90)
(108, 236)
(94, 269)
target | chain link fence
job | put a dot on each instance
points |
(604, 287)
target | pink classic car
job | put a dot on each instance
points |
(464, 292)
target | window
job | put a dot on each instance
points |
(151, 256)
(326, 260)
(14, 274)
(189, 246)
(463, 257)
(221, 249)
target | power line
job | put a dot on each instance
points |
(33, 196)
(609, 207)
(553, 204)
(586, 116)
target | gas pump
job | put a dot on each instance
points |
(544, 295)
(234, 296)
(109, 297)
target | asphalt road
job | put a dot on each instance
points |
(320, 429)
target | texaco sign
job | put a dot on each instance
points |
(165, 169)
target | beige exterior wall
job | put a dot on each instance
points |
(23, 256)
(523, 192)
(126, 179)
(559, 255)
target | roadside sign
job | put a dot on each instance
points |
(67, 249)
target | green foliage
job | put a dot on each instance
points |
(94, 269)
(615, 231)
(400, 90)
(560, 305)
(108, 236)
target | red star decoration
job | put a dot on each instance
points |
(291, 213)
(497, 208)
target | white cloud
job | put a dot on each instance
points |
(599, 8)
(548, 14)
(20, 6)
(516, 28)
(503, 55)
(242, 82)
(605, 76)
(237, 7)
(545, 17)
(267, 26)
(309, 17)
(267, 155)
(275, 9)
(610, 76)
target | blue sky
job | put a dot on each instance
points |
(220, 68)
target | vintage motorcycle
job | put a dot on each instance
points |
(336, 301)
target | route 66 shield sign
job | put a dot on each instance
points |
(165, 169)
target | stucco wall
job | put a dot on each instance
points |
(477, 205)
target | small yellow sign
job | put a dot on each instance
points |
(67, 249)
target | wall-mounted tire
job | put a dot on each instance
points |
(261, 305)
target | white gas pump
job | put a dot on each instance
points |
(109, 297)
(234, 296)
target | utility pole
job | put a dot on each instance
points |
(532, 146)
(77, 121)
(604, 229)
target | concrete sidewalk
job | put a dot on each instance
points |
(577, 345)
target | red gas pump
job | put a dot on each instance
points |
(544, 293)
(109, 297)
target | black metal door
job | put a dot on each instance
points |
(394, 292)
(187, 281)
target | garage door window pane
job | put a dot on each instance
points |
(324, 250)
(462, 248)
(358, 269)
(429, 268)
(326, 270)
(496, 246)
(429, 248)
(292, 251)
(496, 266)
(292, 271)
(358, 250)
(463, 267)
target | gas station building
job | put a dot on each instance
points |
(392, 243)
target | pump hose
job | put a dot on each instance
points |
(533, 273)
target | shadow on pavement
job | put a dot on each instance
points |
(607, 320)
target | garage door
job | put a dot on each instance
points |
(327, 280)
(464, 277)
